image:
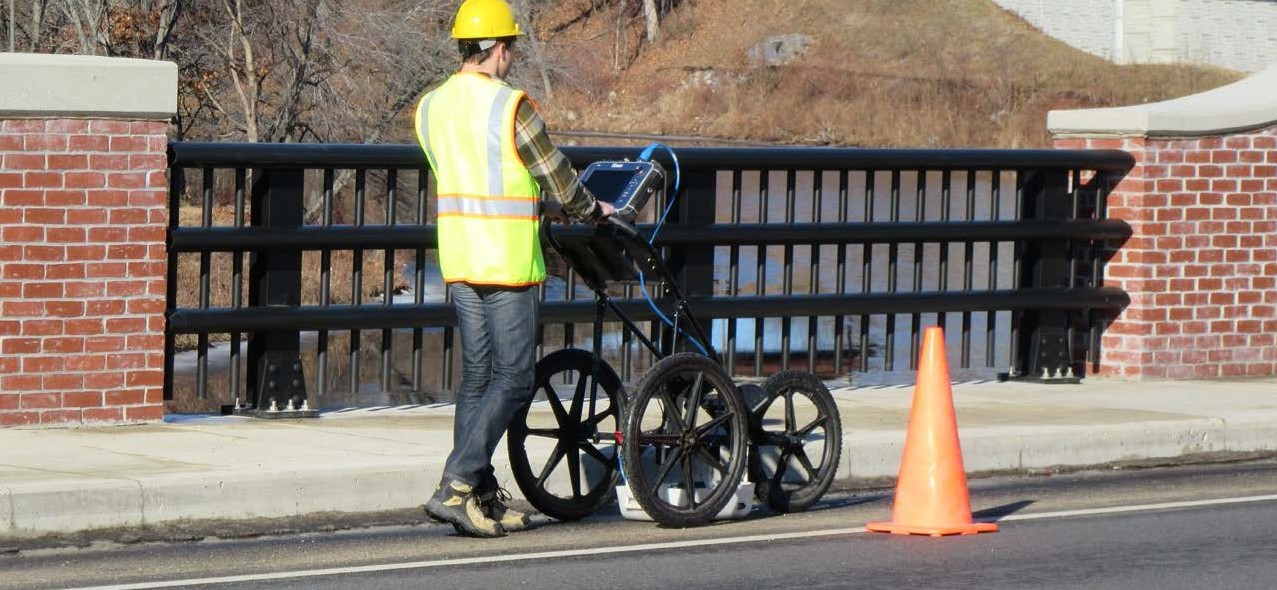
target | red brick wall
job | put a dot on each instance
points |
(1201, 267)
(83, 216)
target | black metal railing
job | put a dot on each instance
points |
(826, 259)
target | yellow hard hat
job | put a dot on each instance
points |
(485, 19)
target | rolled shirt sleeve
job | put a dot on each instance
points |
(549, 166)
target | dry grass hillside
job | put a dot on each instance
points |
(876, 73)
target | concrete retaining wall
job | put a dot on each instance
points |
(1235, 34)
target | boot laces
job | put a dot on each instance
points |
(497, 496)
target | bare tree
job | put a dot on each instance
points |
(12, 26)
(87, 18)
(390, 55)
(651, 18)
(272, 58)
(533, 48)
(167, 12)
(131, 28)
(37, 23)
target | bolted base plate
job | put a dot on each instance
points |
(276, 415)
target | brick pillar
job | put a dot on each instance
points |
(83, 216)
(1201, 265)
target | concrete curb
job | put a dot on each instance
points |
(878, 454)
(48, 507)
(60, 506)
(6, 509)
(232, 496)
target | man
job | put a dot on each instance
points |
(492, 159)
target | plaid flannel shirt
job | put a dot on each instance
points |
(548, 165)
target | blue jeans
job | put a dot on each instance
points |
(498, 351)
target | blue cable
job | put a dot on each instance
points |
(646, 154)
(664, 318)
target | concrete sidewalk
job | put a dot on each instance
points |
(67, 480)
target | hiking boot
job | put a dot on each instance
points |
(493, 504)
(456, 503)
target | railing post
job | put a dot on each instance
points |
(274, 360)
(694, 266)
(1044, 346)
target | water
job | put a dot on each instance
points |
(920, 198)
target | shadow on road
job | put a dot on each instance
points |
(998, 512)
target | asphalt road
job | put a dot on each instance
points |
(1185, 527)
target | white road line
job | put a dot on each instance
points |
(1138, 508)
(593, 551)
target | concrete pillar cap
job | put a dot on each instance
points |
(1243, 105)
(41, 85)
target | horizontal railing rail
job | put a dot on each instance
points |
(312, 318)
(227, 239)
(829, 259)
(312, 155)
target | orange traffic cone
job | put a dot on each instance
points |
(931, 492)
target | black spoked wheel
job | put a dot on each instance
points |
(796, 440)
(562, 447)
(684, 445)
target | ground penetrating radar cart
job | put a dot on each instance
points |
(688, 441)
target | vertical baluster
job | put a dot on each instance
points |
(419, 280)
(206, 221)
(1100, 192)
(761, 274)
(1076, 202)
(237, 284)
(177, 190)
(357, 280)
(991, 318)
(841, 274)
(787, 280)
(325, 287)
(388, 285)
(893, 255)
(733, 270)
(1017, 260)
(968, 270)
(915, 319)
(1103, 187)
(946, 209)
(813, 280)
(866, 267)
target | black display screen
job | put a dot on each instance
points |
(609, 185)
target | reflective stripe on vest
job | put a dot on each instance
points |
(509, 208)
(488, 201)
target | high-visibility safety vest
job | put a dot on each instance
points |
(488, 201)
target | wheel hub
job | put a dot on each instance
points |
(688, 441)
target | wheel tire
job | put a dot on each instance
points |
(774, 471)
(572, 431)
(656, 442)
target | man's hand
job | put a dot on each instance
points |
(605, 211)
(554, 211)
